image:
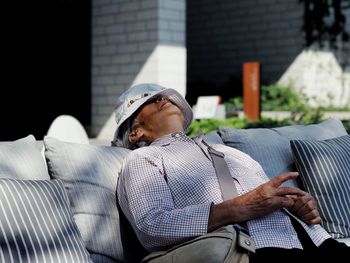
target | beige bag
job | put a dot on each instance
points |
(226, 245)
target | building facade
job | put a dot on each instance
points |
(196, 47)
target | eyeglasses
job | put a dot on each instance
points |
(133, 100)
(155, 99)
(152, 100)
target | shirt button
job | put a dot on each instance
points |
(177, 135)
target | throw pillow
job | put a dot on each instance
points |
(90, 176)
(324, 168)
(22, 159)
(36, 223)
(270, 146)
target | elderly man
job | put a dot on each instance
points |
(169, 191)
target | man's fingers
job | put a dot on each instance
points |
(289, 192)
(312, 217)
(278, 180)
(316, 220)
(305, 205)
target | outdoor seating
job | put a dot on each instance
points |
(85, 176)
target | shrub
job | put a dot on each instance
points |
(208, 125)
(274, 97)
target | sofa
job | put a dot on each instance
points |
(58, 200)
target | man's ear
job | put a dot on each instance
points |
(135, 136)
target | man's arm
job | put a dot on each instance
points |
(261, 201)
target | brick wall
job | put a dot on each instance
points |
(134, 41)
(221, 35)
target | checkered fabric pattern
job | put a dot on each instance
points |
(166, 190)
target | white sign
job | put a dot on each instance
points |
(206, 107)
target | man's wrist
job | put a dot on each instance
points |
(223, 214)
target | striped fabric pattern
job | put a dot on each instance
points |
(324, 168)
(36, 224)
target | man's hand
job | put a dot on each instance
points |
(261, 201)
(305, 207)
(269, 197)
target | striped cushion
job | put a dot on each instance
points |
(36, 223)
(324, 168)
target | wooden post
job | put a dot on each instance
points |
(251, 90)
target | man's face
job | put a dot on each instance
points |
(156, 118)
(157, 113)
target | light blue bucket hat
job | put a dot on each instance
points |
(133, 98)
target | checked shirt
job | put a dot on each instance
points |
(166, 190)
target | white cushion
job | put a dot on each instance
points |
(21, 159)
(90, 176)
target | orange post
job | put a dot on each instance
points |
(251, 90)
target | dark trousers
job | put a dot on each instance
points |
(329, 251)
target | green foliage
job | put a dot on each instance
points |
(234, 104)
(273, 98)
(208, 125)
(276, 97)
(280, 98)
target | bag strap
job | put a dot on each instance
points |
(226, 182)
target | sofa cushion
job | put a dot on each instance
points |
(324, 168)
(271, 147)
(22, 159)
(90, 176)
(36, 223)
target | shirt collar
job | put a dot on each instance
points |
(172, 137)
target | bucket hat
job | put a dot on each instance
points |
(133, 98)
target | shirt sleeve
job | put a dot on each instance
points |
(146, 201)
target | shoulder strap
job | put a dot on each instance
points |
(226, 182)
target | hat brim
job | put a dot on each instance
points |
(171, 94)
